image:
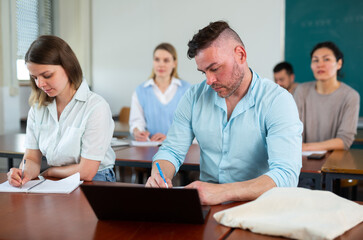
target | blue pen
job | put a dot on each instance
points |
(161, 174)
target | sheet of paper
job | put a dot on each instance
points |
(6, 187)
(307, 153)
(65, 185)
(145, 144)
(117, 142)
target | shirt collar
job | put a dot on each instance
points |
(82, 92)
(151, 82)
(80, 95)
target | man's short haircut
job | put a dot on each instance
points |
(206, 36)
(284, 65)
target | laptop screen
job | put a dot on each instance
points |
(130, 203)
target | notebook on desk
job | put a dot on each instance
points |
(128, 203)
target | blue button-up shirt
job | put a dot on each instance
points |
(262, 136)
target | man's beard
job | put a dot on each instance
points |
(237, 76)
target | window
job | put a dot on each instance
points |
(33, 18)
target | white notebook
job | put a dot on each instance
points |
(66, 185)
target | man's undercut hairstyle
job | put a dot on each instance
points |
(206, 36)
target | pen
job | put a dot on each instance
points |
(22, 173)
(161, 174)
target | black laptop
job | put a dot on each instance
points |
(129, 203)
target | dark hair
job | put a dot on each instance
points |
(284, 65)
(170, 49)
(337, 53)
(207, 35)
(52, 50)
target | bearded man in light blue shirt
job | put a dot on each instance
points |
(247, 127)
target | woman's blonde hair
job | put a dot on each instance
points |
(52, 50)
(170, 49)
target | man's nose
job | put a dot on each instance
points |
(211, 78)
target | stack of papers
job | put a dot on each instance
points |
(66, 185)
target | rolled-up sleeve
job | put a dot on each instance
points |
(348, 127)
(284, 141)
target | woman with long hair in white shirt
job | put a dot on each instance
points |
(67, 123)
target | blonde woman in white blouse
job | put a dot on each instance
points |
(154, 101)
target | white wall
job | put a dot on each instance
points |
(73, 24)
(125, 32)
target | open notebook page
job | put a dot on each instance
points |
(65, 185)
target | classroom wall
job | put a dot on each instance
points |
(114, 41)
(124, 34)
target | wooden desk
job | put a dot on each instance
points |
(312, 169)
(69, 216)
(343, 165)
(142, 157)
(12, 146)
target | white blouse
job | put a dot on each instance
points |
(84, 129)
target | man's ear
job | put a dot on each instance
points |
(240, 54)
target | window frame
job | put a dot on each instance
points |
(42, 30)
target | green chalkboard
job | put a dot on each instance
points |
(311, 21)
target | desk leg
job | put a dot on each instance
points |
(315, 176)
(329, 182)
(318, 184)
(10, 163)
